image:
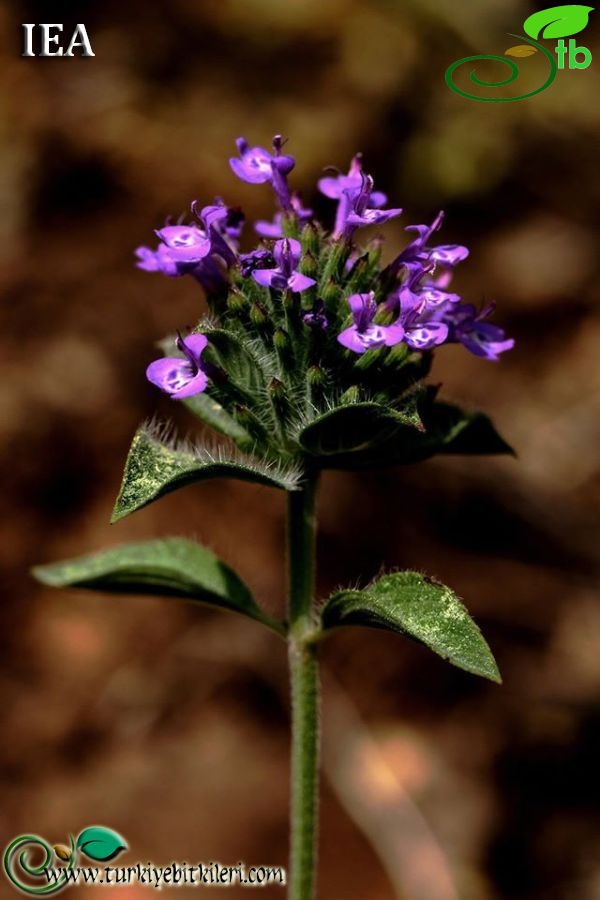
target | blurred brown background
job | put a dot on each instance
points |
(171, 724)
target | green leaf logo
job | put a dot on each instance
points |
(558, 21)
(100, 844)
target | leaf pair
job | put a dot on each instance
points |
(407, 603)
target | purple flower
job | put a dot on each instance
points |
(433, 297)
(285, 276)
(178, 377)
(358, 203)
(256, 259)
(257, 166)
(158, 260)
(423, 327)
(419, 253)
(444, 254)
(216, 219)
(181, 249)
(180, 254)
(361, 211)
(274, 229)
(480, 337)
(364, 334)
(316, 318)
(185, 243)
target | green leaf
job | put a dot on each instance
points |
(173, 567)
(471, 434)
(421, 608)
(446, 429)
(155, 468)
(100, 843)
(209, 411)
(355, 428)
(558, 21)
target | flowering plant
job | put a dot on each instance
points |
(314, 356)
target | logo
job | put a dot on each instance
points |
(50, 40)
(56, 865)
(37, 868)
(556, 22)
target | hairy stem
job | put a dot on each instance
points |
(304, 677)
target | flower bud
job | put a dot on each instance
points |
(258, 315)
(250, 423)
(281, 341)
(352, 395)
(279, 398)
(318, 382)
(331, 295)
(309, 265)
(237, 302)
(310, 240)
(316, 377)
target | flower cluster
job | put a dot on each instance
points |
(316, 310)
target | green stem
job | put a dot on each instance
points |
(304, 677)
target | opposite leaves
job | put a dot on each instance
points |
(421, 608)
(173, 567)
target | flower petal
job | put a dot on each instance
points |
(269, 229)
(393, 334)
(435, 297)
(350, 339)
(186, 243)
(196, 343)
(449, 254)
(170, 374)
(298, 282)
(176, 377)
(287, 252)
(195, 386)
(330, 187)
(427, 335)
(265, 277)
(249, 173)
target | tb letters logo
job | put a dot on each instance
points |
(557, 22)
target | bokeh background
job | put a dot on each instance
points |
(171, 724)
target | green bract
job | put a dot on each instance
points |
(154, 467)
